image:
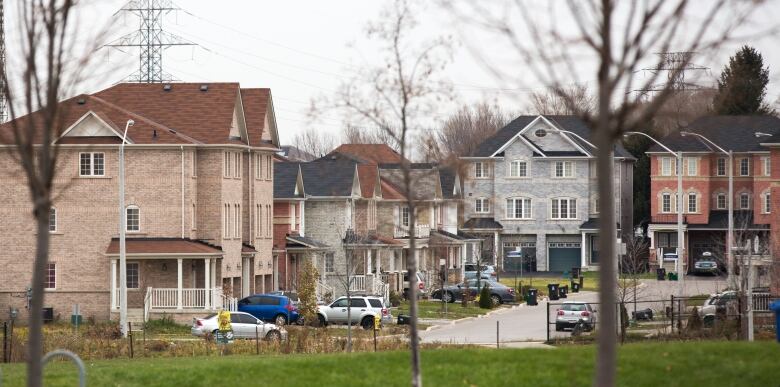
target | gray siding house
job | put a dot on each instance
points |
(531, 187)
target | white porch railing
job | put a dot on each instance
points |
(420, 231)
(357, 282)
(381, 289)
(322, 290)
(191, 298)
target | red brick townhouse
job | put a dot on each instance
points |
(199, 200)
(705, 189)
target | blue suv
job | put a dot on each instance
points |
(277, 309)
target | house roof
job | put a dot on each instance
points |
(443, 237)
(367, 174)
(719, 220)
(293, 153)
(325, 177)
(447, 178)
(734, 133)
(482, 224)
(247, 248)
(185, 114)
(298, 241)
(593, 224)
(426, 183)
(183, 246)
(368, 153)
(564, 122)
(285, 179)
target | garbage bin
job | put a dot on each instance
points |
(552, 291)
(775, 307)
(563, 291)
(660, 273)
(403, 319)
(672, 276)
(576, 272)
(531, 297)
(575, 287)
(48, 315)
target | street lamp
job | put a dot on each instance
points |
(730, 236)
(680, 267)
(122, 225)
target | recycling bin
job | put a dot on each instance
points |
(775, 307)
(403, 319)
(575, 287)
(531, 297)
(552, 291)
(660, 273)
(576, 272)
(563, 291)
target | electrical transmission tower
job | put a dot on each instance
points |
(3, 101)
(675, 64)
(150, 39)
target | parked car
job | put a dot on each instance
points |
(244, 326)
(420, 284)
(269, 307)
(716, 302)
(499, 292)
(486, 271)
(293, 296)
(362, 311)
(706, 266)
(473, 275)
(572, 312)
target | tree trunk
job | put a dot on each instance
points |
(414, 337)
(35, 340)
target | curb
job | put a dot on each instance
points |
(461, 320)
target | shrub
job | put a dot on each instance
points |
(395, 299)
(485, 302)
(694, 321)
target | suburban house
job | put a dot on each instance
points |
(198, 186)
(705, 175)
(531, 188)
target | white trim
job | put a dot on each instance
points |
(531, 124)
(90, 113)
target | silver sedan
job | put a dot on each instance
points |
(244, 326)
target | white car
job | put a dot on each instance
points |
(244, 326)
(572, 312)
(362, 311)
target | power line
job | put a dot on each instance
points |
(675, 64)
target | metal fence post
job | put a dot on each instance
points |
(130, 337)
(671, 317)
(72, 356)
(548, 320)
(5, 342)
(496, 334)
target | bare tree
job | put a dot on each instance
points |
(353, 134)
(632, 266)
(620, 39)
(396, 97)
(468, 127)
(314, 142)
(578, 99)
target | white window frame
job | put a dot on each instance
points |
(481, 170)
(742, 202)
(194, 162)
(269, 168)
(692, 166)
(127, 218)
(525, 210)
(557, 205)
(52, 219)
(767, 165)
(563, 165)
(194, 215)
(226, 169)
(725, 201)
(767, 202)
(49, 267)
(596, 204)
(481, 205)
(91, 160)
(666, 166)
(666, 197)
(695, 202)
(744, 166)
(516, 165)
(330, 263)
(269, 221)
(724, 161)
(138, 275)
(405, 216)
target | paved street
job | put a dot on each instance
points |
(527, 323)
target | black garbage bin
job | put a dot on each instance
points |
(552, 291)
(575, 287)
(645, 314)
(403, 319)
(48, 315)
(563, 291)
(576, 272)
(660, 273)
(531, 297)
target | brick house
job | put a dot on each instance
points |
(198, 192)
(532, 187)
(705, 189)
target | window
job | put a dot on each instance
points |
(563, 208)
(50, 282)
(329, 263)
(133, 275)
(133, 219)
(225, 220)
(237, 220)
(481, 170)
(357, 303)
(692, 164)
(744, 201)
(692, 203)
(744, 167)
(91, 164)
(564, 169)
(405, 216)
(269, 219)
(666, 202)
(53, 219)
(721, 167)
(237, 169)
(481, 206)
(766, 161)
(227, 164)
(666, 166)
(259, 221)
(269, 168)
(259, 166)
(194, 162)
(194, 219)
(540, 133)
(596, 205)
(721, 201)
(518, 208)
(518, 168)
(767, 205)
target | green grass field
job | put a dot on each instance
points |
(434, 310)
(658, 364)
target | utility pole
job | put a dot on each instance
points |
(3, 101)
(150, 39)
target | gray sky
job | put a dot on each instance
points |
(305, 49)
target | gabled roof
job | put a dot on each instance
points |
(169, 246)
(286, 177)
(258, 110)
(482, 224)
(329, 178)
(734, 133)
(450, 183)
(369, 180)
(426, 182)
(297, 241)
(368, 153)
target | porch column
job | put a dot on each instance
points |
(178, 282)
(378, 256)
(583, 251)
(207, 282)
(113, 284)
(369, 263)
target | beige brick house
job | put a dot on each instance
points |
(198, 192)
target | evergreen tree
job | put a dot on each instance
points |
(742, 85)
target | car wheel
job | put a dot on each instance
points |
(280, 320)
(496, 299)
(448, 297)
(367, 322)
(558, 328)
(273, 336)
(321, 321)
(300, 321)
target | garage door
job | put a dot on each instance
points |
(564, 256)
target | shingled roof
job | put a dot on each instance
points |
(734, 133)
(285, 179)
(171, 246)
(325, 177)
(368, 153)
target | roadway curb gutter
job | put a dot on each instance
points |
(461, 320)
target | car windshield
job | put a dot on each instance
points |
(209, 317)
(574, 307)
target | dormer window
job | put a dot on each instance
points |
(540, 132)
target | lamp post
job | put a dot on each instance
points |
(680, 267)
(730, 233)
(122, 247)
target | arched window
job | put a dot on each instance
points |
(721, 201)
(744, 201)
(133, 218)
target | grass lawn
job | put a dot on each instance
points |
(590, 281)
(657, 364)
(433, 309)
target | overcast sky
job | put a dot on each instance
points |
(305, 49)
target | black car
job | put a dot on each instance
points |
(498, 292)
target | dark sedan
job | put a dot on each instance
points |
(498, 292)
